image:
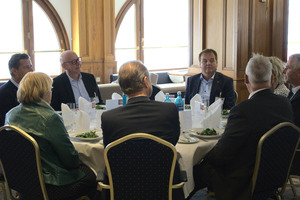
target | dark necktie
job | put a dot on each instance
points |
(291, 94)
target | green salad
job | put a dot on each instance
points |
(90, 134)
(99, 107)
(208, 131)
(225, 112)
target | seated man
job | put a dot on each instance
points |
(292, 76)
(210, 83)
(73, 83)
(140, 114)
(227, 169)
(18, 65)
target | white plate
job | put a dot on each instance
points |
(194, 131)
(187, 140)
(74, 134)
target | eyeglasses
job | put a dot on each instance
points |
(73, 62)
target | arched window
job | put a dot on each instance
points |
(157, 32)
(32, 27)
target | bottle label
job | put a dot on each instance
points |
(180, 108)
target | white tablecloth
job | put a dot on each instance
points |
(92, 154)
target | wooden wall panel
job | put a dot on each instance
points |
(93, 36)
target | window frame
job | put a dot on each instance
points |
(139, 10)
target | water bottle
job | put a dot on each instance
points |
(124, 99)
(179, 102)
(167, 99)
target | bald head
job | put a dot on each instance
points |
(134, 79)
(71, 63)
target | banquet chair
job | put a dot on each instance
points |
(140, 166)
(21, 164)
(275, 153)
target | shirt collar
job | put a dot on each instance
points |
(202, 78)
(256, 91)
(14, 82)
(295, 89)
(72, 80)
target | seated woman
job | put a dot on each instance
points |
(278, 86)
(64, 175)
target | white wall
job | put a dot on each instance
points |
(63, 8)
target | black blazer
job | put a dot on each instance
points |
(141, 115)
(231, 161)
(62, 90)
(220, 84)
(8, 99)
(295, 100)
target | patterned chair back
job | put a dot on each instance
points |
(140, 166)
(20, 160)
(275, 153)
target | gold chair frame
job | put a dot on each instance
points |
(38, 163)
(146, 136)
(258, 156)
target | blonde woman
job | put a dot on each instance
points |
(64, 175)
(278, 86)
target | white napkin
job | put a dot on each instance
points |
(195, 98)
(185, 119)
(68, 117)
(84, 121)
(160, 96)
(116, 96)
(213, 115)
(86, 106)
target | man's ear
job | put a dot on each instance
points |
(13, 71)
(246, 80)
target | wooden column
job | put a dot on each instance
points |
(93, 30)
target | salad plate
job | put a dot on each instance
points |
(199, 132)
(86, 135)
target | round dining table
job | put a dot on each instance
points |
(91, 153)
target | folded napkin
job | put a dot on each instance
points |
(195, 98)
(87, 107)
(116, 96)
(160, 96)
(68, 117)
(213, 115)
(185, 119)
(83, 122)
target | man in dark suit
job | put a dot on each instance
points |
(73, 83)
(227, 169)
(210, 84)
(140, 114)
(292, 76)
(18, 65)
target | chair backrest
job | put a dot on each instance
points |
(140, 166)
(21, 164)
(275, 153)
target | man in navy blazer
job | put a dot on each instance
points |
(228, 168)
(210, 84)
(292, 76)
(140, 114)
(73, 83)
(18, 65)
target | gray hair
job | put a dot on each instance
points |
(296, 64)
(259, 69)
(131, 76)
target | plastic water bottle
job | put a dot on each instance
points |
(179, 102)
(124, 99)
(167, 99)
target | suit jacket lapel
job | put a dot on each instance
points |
(295, 95)
(69, 90)
(214, 87)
